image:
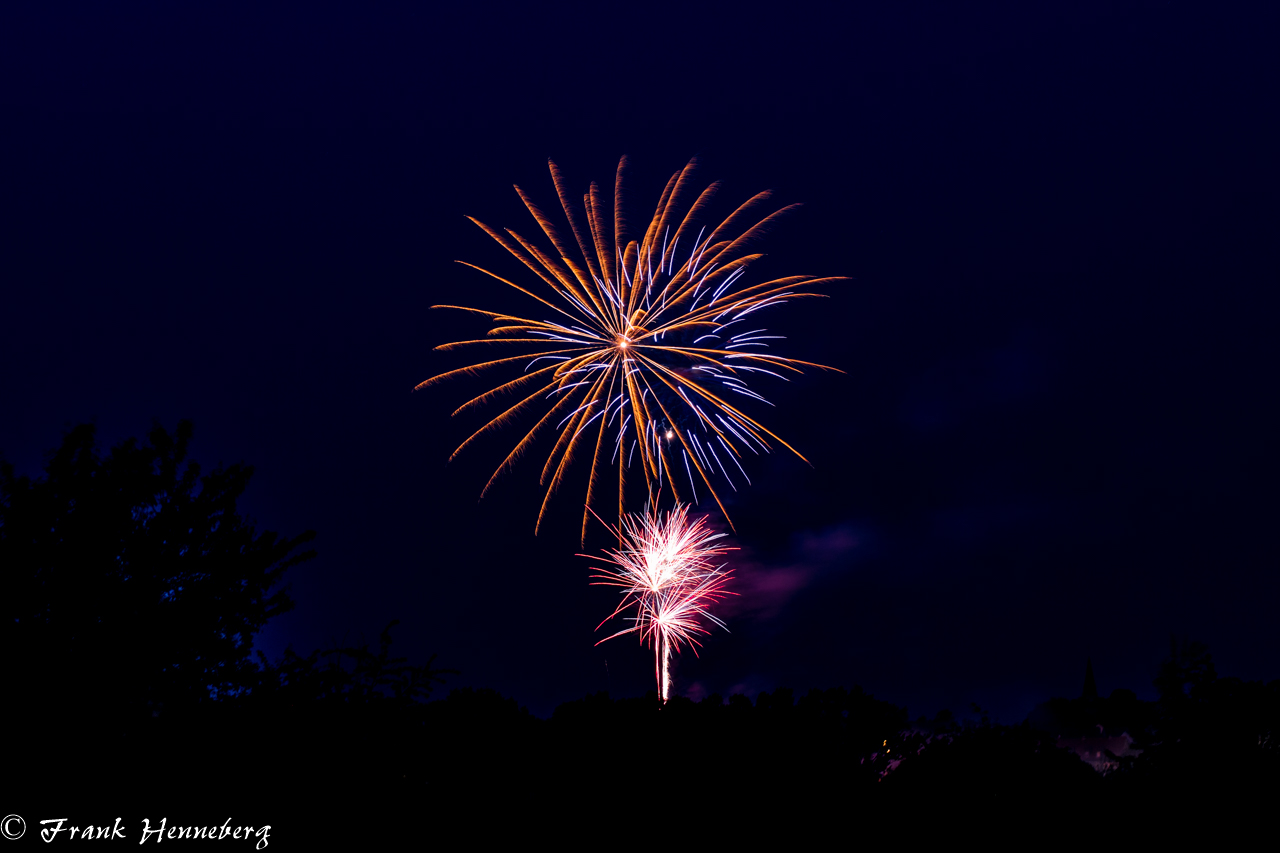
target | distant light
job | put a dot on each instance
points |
(670, 435)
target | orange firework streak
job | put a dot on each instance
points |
(650, 341)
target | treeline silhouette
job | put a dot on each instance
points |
(133, 590)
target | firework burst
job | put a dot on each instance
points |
(648, 341)
(665, 566)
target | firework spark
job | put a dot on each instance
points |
(665, 566)
(648, 342)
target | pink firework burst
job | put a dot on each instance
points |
(667, 568)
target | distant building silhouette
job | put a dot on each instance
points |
(1090, 686)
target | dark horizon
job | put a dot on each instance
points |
(1053, 438)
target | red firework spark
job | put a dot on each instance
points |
(667, 568)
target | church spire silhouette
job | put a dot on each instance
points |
(1090, 686)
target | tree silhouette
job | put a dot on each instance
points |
(370, 678)
(1213, 734)
(1186, 673)
(132, 587)
(132, 591)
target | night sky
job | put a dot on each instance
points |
(1055, 436)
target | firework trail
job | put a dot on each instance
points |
(649, 340)
(665, 566)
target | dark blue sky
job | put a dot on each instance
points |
(1055, 436)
